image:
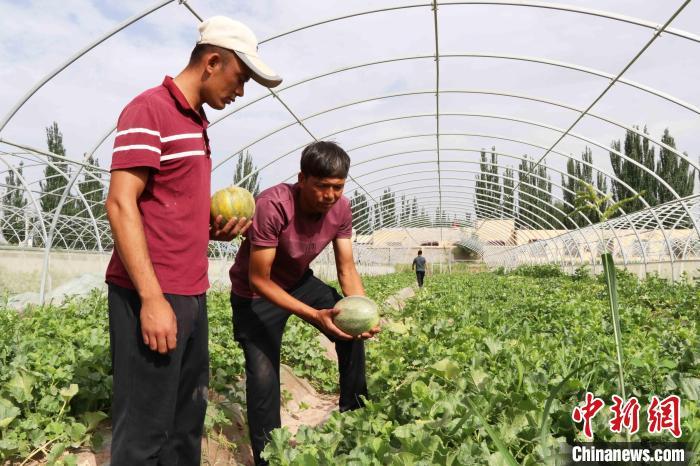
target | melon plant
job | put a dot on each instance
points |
(358, 314)
(231, 202)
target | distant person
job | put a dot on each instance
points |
(271, 280)
(419, 266)
(158, 209)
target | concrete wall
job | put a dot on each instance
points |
(20, 269)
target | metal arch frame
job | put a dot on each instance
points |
(656, 34)
(566, 8)
(32, 198)
(500, 212)
(530, 204)
(567, 156)
(437, 100)
(49, 236)
(508, 118)
(563, 188)
(492, 207)
(6, 119)
(557, 255)
(287, 107)
(437, 89)
(34, 151)
(644, 168)
(5, 224)
(544, 61)
(642, 216)
(532, 4)
(657, 142)
(413, 224)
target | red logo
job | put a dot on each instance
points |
(665, 415)
(586, 413)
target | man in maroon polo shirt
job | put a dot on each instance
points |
(158, 208)
(271, 280)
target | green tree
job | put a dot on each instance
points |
(535, 208)
(405, 212)
(674, 170)
(488, 188)
(92, 188)
(56, 175)
(377, 214)
(388, 208)
(637, 148)
(246, 174)
(579, 175)
(508, 194)
(13, 203)
(423, 219)
(361, 219)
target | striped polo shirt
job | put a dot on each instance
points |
(159, 130)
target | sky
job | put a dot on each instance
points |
(86, 98)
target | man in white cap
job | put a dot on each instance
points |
(158, 208)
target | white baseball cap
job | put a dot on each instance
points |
(235, 36)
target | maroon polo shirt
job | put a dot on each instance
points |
(299, 238)
(159, 130)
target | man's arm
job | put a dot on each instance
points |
(260, 267)
(350, 281)
(158, 322)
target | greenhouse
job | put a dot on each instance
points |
(543, 157)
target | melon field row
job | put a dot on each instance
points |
(478, 368)
(55, 382)
(486, 369)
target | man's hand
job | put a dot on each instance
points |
(158, 325)
(324, 319)
(372, 332)
(228, 231)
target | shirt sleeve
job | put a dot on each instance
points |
(137, 143)
(345, 229)
(268, 223)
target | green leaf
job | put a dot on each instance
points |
(20, 386)
(56, 451)
(8, 412)
(446, 368)
(500, 446)
(76, 432)
(479, 377)
(68, 393)
(396, 327)
(493, 345)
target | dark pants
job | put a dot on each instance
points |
(258, 326)
(419, 276)
(158, 401)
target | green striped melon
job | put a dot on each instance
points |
(233, 201)
(357, 315)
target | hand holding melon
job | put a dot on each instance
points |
(358, 316)
(229, 207)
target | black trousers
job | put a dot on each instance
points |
(419, 276)
(258, 326)
(158, 400)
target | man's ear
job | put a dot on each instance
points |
(301, 178)
(212, 60)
